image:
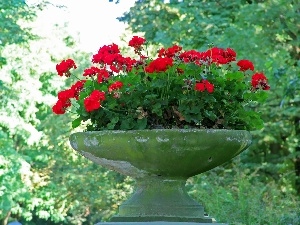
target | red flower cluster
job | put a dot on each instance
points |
(91, 71)
(219, 55)
(77, 87)
(64, 67)
(169, 52)
(245, 64)
(115, 86)
(110, 55)
(204, 85)
(93, 102)
(137, 42)
(60, 106)
(107, 54)
(259, 81)
(191, 56)
(229, 54)
(64, 97)
(102, 75)
(213, 55)
(159, 65)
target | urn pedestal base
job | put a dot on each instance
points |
(160, 161)
(160, 198)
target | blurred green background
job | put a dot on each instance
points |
(44, 182)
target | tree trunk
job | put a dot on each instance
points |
(4, 221)
(297, 159)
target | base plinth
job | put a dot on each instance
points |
(155, 223)
(162, 218)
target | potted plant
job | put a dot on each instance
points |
(162, 120)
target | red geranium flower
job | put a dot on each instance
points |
(245, 64)
(126, 63)
(259, 81)
(136, 41)
(107, 54)
(77, 87)
(91, 71)
(93, 102)
(102, 75)
(199, 86)
(220, 55)
(60, 106)
(204, 85)
(115, 86)
(191, 56)
(170, 52)
(65, 95)
(64, 67)
(209, 86)
(229, 54)
(159, 65)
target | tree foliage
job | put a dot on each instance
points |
(236, 195)
(40, 176)
(12, 14)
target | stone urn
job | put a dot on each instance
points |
(160, 161)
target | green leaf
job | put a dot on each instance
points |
(76, 122)
(127, 124)
(210, 115)
(261, 96)
(248, 95)
(83, 95)
(157, 109)
(196, 110)
(235, 76)
(141, 124)
(113, 122)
